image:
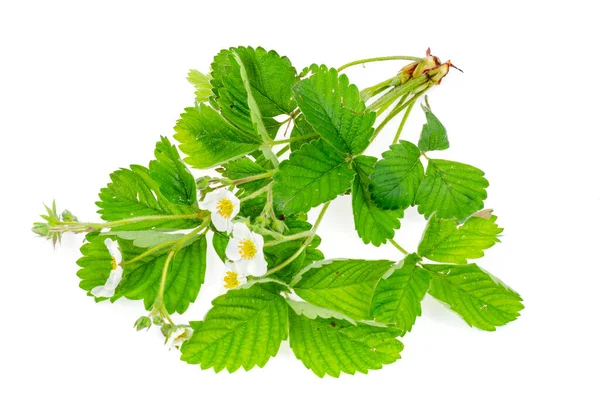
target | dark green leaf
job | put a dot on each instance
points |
(452, 190)
(334, 108)
(172, 176)
(433, 135)
(244, 168)
(397, 177)
(479, 298)
(373, 224)
(313, 175)
(302, 133)
(219, 242)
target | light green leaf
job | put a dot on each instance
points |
(331, 346)
(202, 84)
(398, 295)
(302, 133)
(311, 311)
(241, 168)
(397, 177)
(220, 242)
(334, 108)
(373, 224)
(244, 328)
(479, 298)
(313, 175)
(145, 238)
(343, 285)
(209, 140)
(185, 275)
(451, 189)
(133, 193)
(95, 263)
(433, 134)
(176, 182)
(445, 241)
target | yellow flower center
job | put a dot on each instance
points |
(247, 249)
(231, 280)
(225, 208)
(113, 263)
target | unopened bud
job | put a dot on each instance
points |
(41, 229)
(67, 216)
(143, 323)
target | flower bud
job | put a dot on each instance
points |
(67, 216)
(202, 183)
(41, 229)
(143, 323)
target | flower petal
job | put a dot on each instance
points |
(241, 231)
(114, 250)
(232, 251)
(220, 223)
(259, 241)
(258, 266)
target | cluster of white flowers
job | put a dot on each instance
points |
(245, 248)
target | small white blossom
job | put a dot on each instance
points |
(116, 274)
(245, 249)
(224, 206)
(233, 276)
(178, 335)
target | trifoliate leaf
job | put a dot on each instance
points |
(303, 132)
(244, 328)
(373, 224)
(330, 346)
(445, 241)
(433, 135)
(451, 189)
(202, 84)
(313, 175)
(397, 177)
(141, 279)
(479, 298)
(398, 295)
(343, 285)
(209, 140)
(145, 238)
(176, 182)
(242, 168)
(133, 193)
(334, 108)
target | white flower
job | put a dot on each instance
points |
(245, 249)
(116, 274)
(233, 277)
(178, 335)
(224, 206)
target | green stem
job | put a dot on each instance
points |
(304, 245)
(404, 118)
(282, 151)
(257, 193)
(300, 138)
(290, 237)
(378, 59)
(148, 252)
(395, 244)
(77, 227)
(370, 92)
(265, 175)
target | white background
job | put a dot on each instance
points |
(88, 87)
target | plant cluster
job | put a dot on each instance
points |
(340, 315)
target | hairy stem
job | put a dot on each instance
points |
(395, 244)
(378, 59)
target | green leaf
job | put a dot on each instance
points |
(209, 140)
(133, 193)
(202, 84)
(373, 224)
(451, 189)
(302, 133)
(176, 182)
(334, 108)
(480, 299)
(141, 279)
(277, 254)
(398, 295)
(220, 242)
(241, 168)
(343, 285)
(313, 175)
(445, 241)
(95, 263)
(433, 135)
(397, 177)
(330, 346)
(244, 328)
